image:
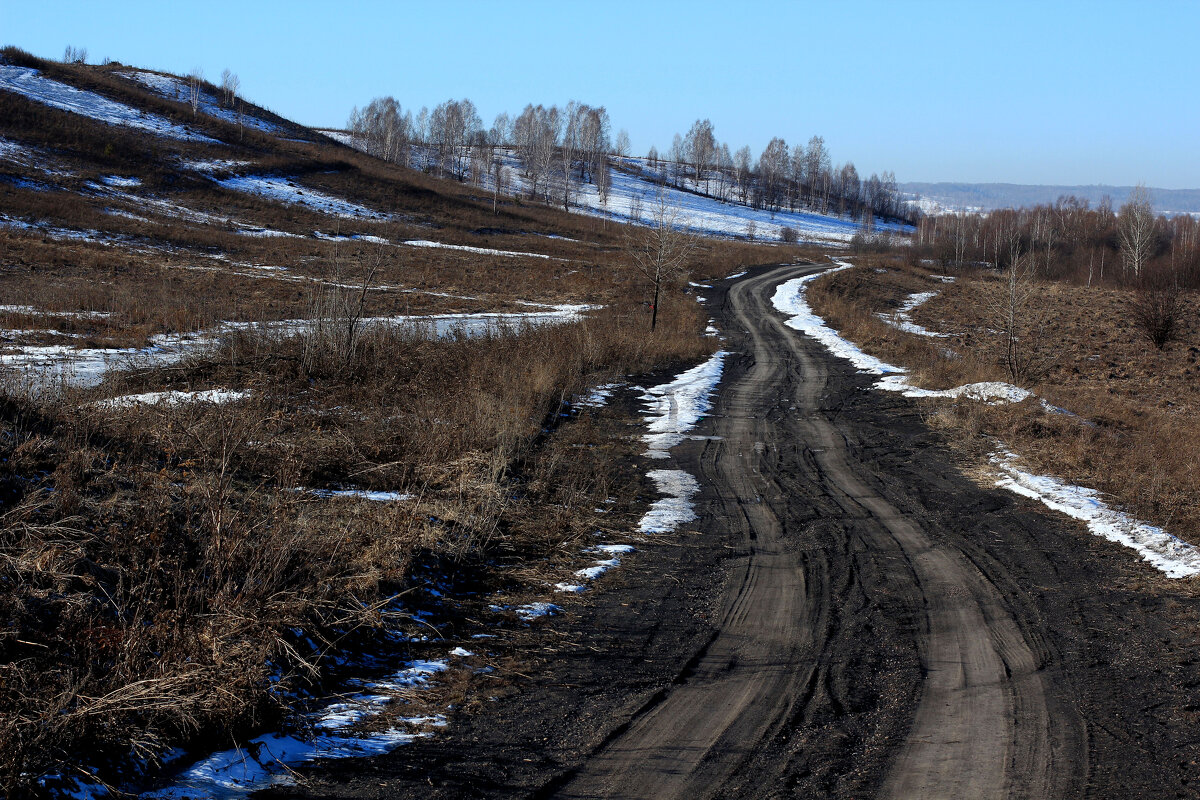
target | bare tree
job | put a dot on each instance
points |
(230, 83)
(661, 249)
(1137, 229)
(195, 89)
(1014, 312)
(75, 55)
(623, 147)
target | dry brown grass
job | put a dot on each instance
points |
(159, 559)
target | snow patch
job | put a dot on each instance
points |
(902, 319)
(467, 248)
(179, 90)
(361, 494)
(286, 190)
(30, 83)
(532, 611)
(215, 396)
(1172, 556)
(675, 508)
(677, 406)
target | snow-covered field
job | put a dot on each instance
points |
(173, 88)
(32, 84)
(1169, 554)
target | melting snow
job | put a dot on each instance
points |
(268, 760)
(902, 319)
(362, 494)
(677, 406)
(1167, 553)
(172, 398)
(1174, 557)
(598, 397)
(531, 611)
(481, 250)
(28, 82)
(285, 190)
(669, 512)
(177, 89)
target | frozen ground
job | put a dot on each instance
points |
(1172, 556)
(32, 84)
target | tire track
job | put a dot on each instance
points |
(982, 727)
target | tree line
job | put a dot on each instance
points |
(558, 150)
(1070, 240)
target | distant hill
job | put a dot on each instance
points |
(990, 196)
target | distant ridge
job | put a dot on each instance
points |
(991, 196)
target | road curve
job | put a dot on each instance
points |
(982, 726)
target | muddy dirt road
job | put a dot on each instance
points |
(851, 618)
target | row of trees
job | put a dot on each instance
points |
(783, 177)
(1155, 256)
(558, 150)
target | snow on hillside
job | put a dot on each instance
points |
(633, 196)
(173, 88)
(30, 83)
(343, 137)
(284, 190)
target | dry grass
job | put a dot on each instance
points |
(159, 561)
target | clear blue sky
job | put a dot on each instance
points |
(1066, 92)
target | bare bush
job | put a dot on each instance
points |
(1158, 308)
(788, 235)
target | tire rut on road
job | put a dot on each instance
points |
(982, 727)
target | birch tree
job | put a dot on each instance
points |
(195, 90)
(1136, 227)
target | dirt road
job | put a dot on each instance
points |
(854, 618)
